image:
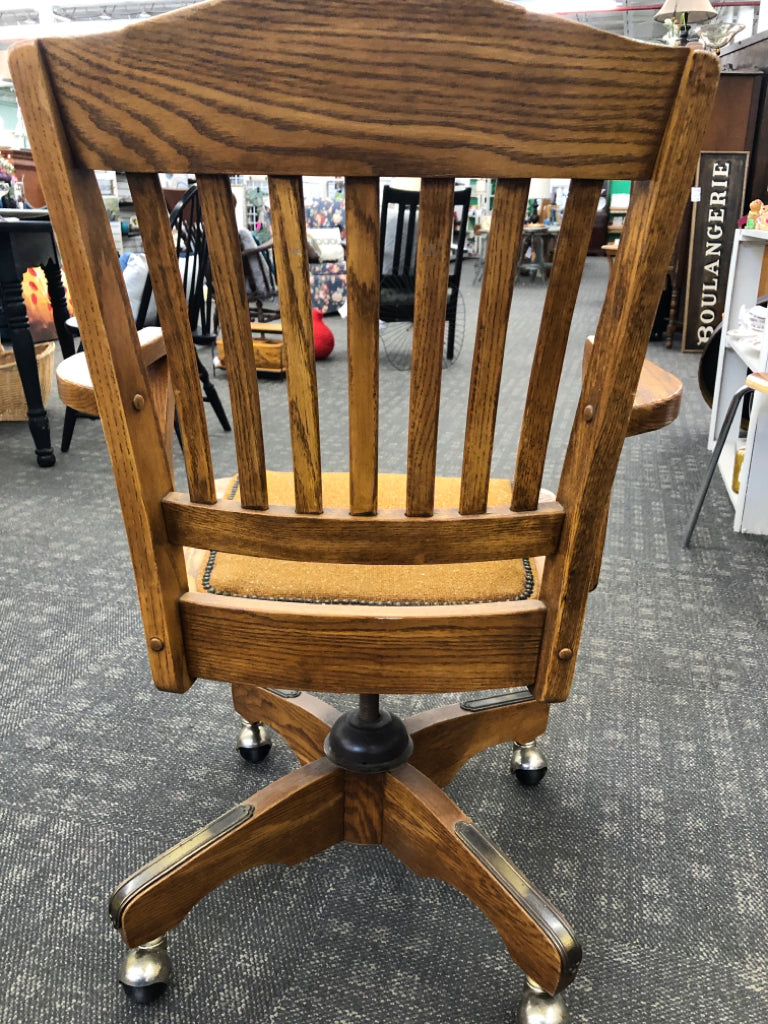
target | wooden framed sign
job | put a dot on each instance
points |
(720, 183)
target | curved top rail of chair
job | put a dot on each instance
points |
(366, 127)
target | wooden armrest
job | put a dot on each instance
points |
(73, 378)
(657, 399)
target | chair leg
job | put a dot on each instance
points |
(428, 832)
(70, 419)
(301, 719)
(289, 821)
(446, 738)
(212, 395)
(451, 336)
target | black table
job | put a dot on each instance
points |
(26, 240)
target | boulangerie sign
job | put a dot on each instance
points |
(720, 180)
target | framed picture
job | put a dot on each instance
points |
(719, 203)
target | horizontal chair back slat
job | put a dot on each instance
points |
(390, 537)
(326, 648)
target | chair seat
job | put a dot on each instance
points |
(323, 583)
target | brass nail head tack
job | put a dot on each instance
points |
(589, 412)
(156, 643)
(138, 402)
(565, 654)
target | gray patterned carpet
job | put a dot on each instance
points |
(649, 831)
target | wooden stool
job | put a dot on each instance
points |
(268, 349)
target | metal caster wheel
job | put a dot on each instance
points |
(537, 1007)
(529, 766)
(253, 742)
(145, 971)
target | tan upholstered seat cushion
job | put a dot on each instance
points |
(319, 582)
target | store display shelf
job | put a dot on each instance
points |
(725, 465)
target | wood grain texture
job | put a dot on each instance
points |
(446, 738)
(657, 399)
(559, 303)
(234, 319)
(288, 225)
(390, 537)
(362, 220)
(432, 259)
(509, 208)
(546, 73)
(73, 378)
(168, 291)
(419, 829)
(302, 721)
(605, 405)
(107, 328)
(363, 649)
(294, 818)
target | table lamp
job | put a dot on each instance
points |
(685, 13)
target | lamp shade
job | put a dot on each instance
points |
(540, 188)
(696, 10)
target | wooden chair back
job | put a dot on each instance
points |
(530, 96)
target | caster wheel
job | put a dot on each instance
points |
(253, 742)
(145, 971)
(529, 766)
(537, 1007)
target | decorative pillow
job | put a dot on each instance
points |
(328, 243)
(313, 250)
(134, 267)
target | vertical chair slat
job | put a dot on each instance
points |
(495, 299)
(171, 301)
(232, 307)
(571, 252)
(292, 264)
(432, 259)
(362, 213)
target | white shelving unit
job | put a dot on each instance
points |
(738, 357)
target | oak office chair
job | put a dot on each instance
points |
(397, 258)
(366, 584)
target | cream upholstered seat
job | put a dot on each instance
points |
(366, 777)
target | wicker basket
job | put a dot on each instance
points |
(13, 405)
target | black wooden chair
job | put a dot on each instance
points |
(194, 266)
(260, 278)
(397, 256)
